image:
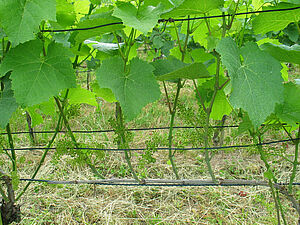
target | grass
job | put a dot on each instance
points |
(94, 204)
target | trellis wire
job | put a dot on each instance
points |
(173, 20)
(163, 182)
(111, 130)
(158, 149)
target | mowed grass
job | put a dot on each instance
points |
(95, 204)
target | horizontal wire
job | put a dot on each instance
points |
(110, 130)
(158, 149)
(226, 15)
(162, 183)
(81, 29)
(172, 20)
(129, 129)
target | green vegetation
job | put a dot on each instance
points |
(151, 64)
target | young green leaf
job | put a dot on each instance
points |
(79, 95)
(143, 19)
(21, 18)
(165, 66)
(65, 13)
(104, 93)
(36, 117)
(289, 110)
(256, 82)
(8, 104)
(81, 8)
(283, 53)
(36, 78)
(172, 68)
(275, 21)
(221, 105)
(133, 88)
(167, 4)
(189, 7)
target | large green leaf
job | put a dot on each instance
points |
(96, 20)
(289, 110)
(134, 88)
(189, 7)
(8, 103)
(173, 68)
(21, 18)
(36, 78)
(275, 21)
(282, 52)
(143, 19)
(256, 82)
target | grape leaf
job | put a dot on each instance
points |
(275, 21)
(21, 18)
(168, 5)
(143, 19)
(36, 117)
(81, 8)
(37, 111)
(104, 93)
(256, 82)
(289, 110)
(36, 78)
(8, 104)
(65, 13)
(199, 55)
(79, 95)
(221, 105)
(189, 7)
(165, 66)
(172, 68)
(283, 53)
(134, 88)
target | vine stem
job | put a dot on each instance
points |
(173, 111)
(42, 159)
(86, 159)
(295, 163)
(276, 203)
(276, 198)
(123, 143)
(208, 111)
(5, 198)
(170, 137)
(11, 145)
(119, 113)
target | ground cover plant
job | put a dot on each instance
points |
(202, 65)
